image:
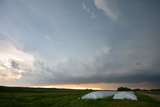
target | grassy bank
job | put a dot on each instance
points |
(65, 98)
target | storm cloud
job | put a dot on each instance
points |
(79, 42)
(102, 66)
(14, 65)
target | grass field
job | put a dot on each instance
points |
(28, 97)
(152, 92)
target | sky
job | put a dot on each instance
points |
(98, 44)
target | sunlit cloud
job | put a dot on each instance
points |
(13, 62)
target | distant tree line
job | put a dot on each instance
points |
(137, 89)
(123, 89)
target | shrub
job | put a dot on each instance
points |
(123, 89)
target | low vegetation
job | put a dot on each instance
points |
(153, 91)
(123, 89)
(30, 97)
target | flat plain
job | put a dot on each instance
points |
(39, 97)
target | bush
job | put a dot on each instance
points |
(123, 89)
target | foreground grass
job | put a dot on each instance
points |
(68, 98)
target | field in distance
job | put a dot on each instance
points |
(39, 97)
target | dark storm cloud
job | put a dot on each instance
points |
(68, 79)
(14, 65)
(139, 77)
(74, 41)
(46, 75)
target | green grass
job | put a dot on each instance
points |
(157, 92)
(67, 98)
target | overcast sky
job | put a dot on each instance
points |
(60, 42)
